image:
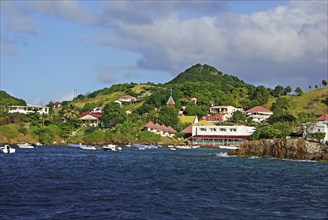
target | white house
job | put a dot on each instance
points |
(321, 126)
(29, 109)
(90, 119)
(226, 111)
(220, 135)
(258, 114)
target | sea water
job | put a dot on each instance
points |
(63, 183)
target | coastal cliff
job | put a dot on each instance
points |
(294, 149)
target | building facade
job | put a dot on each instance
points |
(214, 136)
(28, 109)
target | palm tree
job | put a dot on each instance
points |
(71, 112)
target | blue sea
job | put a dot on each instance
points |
(63, 183)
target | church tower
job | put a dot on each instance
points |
(170, 103)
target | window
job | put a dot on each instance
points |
(213, 129)
(233, 129)
(223, 129)
(203, 129)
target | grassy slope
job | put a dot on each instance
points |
(309, 102)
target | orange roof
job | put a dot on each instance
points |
(323, 117)
(257, 109)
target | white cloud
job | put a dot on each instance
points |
(20, 16)
(291, 39)
(7, 47)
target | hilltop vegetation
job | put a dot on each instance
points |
(203, 82)
(8, 100)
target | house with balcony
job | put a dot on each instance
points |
(258, 114)
(90, 119)
(225, 110)
(29, 109)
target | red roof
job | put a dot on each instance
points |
(257, 109)
(187, 129)
(217, 117)
(323, 117)
(96, 115)
(57, 103)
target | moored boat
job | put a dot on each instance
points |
(112, 147)
(26, 146)
(88, 147)
(7, 149)
(230, 147)
(183, 147)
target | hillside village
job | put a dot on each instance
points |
(201, 106)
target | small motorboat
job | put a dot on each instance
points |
(183, 147)
(7, 149)
(88, 147)
(26, 146)
(229, 147)
(112, 147)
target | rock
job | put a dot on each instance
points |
(294, 149)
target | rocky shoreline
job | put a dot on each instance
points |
(293, 149)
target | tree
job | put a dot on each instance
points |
(324, 83)
(70, 112)
(281, 105)
(310, 87)
(316, 86)
(278, 91)
(319, 136)
(288, 90)
(261, 95)
(325, 101)
(112, 115)
(238, 116)
(299, 91)
(88, 107)
(168, 116)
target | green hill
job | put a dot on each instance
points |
(7, 100)
(309, 102)
(206, 73)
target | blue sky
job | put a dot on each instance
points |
(51, 48)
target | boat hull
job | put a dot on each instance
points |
(7, 150)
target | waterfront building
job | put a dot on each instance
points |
(214, 136)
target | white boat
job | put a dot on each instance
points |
(183, 147)
(26, 146)
(229, 147)
(111, 147)
(172, 148)
(88, 147)
(7, 150)
(195, 146)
